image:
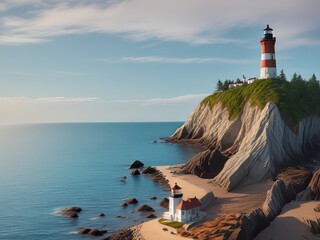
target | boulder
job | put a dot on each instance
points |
(276, 198)
(101, 215)
(252, 224)
(122, 234)
(149, 170)
(206, 164)
(135, 172)
(207, 200)
(145, 208)
(164, 203)
(131, 201)
(124, 205)
(91, 231)
(71, 212)
(312, 192)
(136, 164)
(296, 180)
(153, 198)
(151, 216)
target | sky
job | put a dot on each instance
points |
(140, 60)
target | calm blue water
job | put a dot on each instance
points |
(45, 167)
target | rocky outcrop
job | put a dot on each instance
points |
(71, 212)
(149, 170)
(135, 172)
(218, 228)
(136, 164)
(259, 142)
(296, 179)
(122, 234)
(207, 164)
(312, 192)
(252, 224)
(145, 208)
(91, 231)
(164, 203)
(131, 201)
(207, 200)
(276, 198)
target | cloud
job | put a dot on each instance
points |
(71, 100)
(157, 59)
(42, 100)
(189, 21)
(178, 99)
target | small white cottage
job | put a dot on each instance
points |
(181, 210)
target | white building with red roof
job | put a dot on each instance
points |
(182, 210)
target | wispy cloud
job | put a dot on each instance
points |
(69, 73)
(157, 59)
(41, 100)
(190, 21)
(19, 73)
(178, 99)
(73, 100)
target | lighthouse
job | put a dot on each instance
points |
(268, 56)
(174, 200)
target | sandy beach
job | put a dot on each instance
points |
(241, 200)
(290, 224)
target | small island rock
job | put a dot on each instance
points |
(136, 164)
(145, 208)
(71, 212)
(131, 201)
(164, 203)
(135, 172)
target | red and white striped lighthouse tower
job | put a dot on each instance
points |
(268, 56)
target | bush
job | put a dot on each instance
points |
(172, 224)
(297, 99)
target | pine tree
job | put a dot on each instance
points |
(282, 75)
(219, 86)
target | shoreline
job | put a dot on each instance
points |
(244, 199)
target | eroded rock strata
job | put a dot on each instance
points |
(258, 141)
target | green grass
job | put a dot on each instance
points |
(296, 99)
(172, 224)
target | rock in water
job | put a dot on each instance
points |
(151, 216)
(131, 201)
(260, 140)
(207, 164)
(164, 203)
(312, 192)
(148, 170)
(135, 172)
(276, 198)
(91, 231)
(145, 208)
(136, 164)
(71, 212)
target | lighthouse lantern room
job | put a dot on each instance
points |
(268, 57)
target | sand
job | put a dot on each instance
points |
(241, 200)
(290, 224)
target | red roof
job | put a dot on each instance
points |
(189, 204)
(176, 187)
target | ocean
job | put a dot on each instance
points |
(47, 167)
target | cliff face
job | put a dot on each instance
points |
(258, 141)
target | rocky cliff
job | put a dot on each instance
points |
(258, 141)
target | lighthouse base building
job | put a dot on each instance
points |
(180, 210)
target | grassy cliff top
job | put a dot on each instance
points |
(296, 99)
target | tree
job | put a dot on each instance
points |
(220, 86)
(282, 75)
(313, 78)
